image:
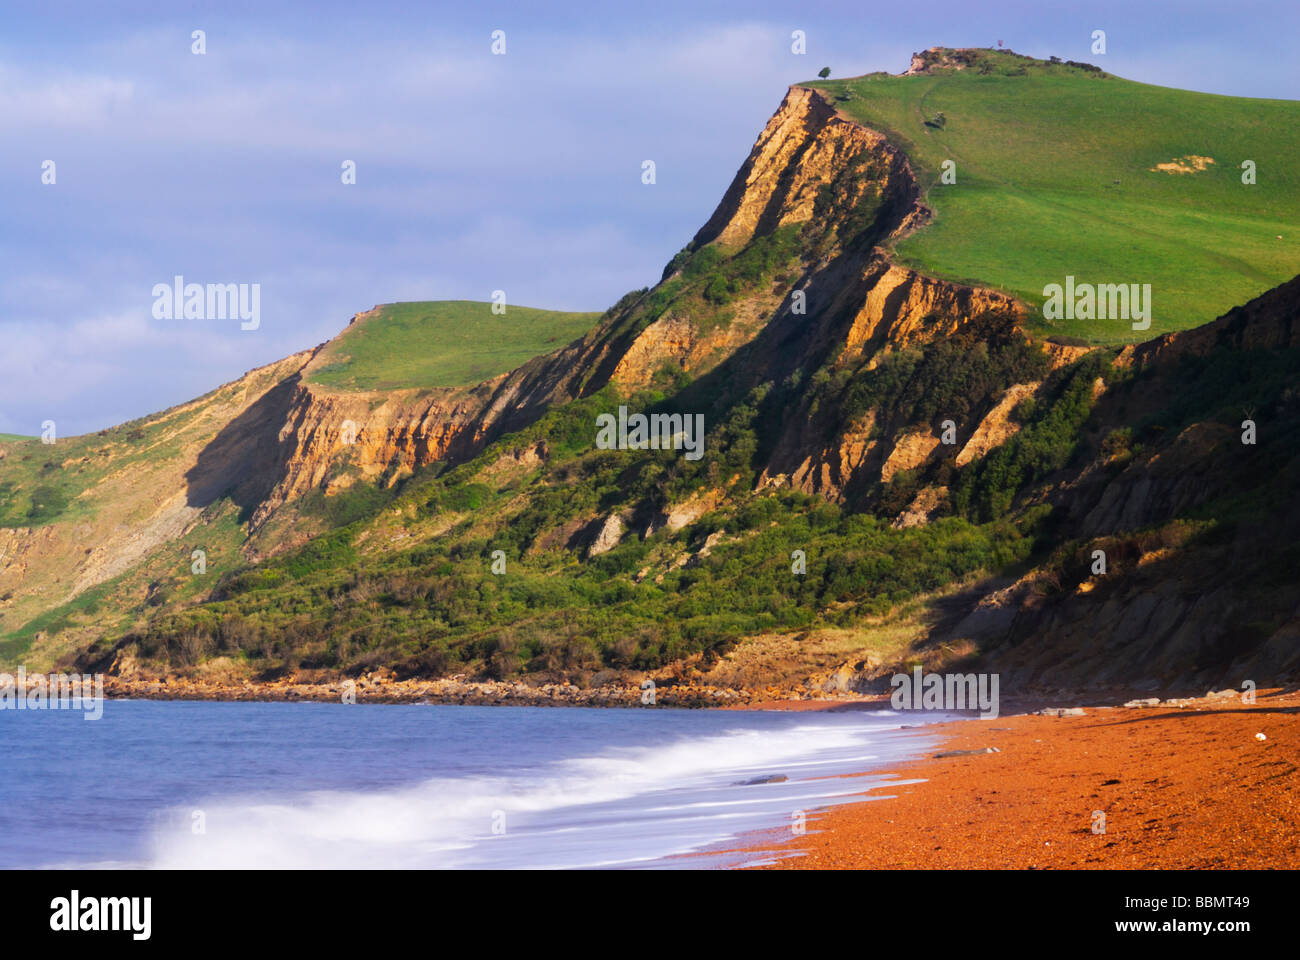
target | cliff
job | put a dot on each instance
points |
(854, 300)
(943, 475)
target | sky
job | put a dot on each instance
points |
(475, 171)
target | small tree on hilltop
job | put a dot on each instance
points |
(824, 72)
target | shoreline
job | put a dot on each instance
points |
(624, 691)
(458, 690)
(1177, 783)
(1183, 784)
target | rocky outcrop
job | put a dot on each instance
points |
(805, 146)
(1195, 528)
(911, 450)
(936, 59)
(927, 502)
(320, 433)
(17, 545)
(519, 461)
(860, 305)
(380, 436)
(997, 427)
(685, 513)
(676, 341)
(607, 537)
(932, 59)
(901, 307)
(826, 469)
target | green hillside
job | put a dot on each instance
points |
(442, 343)
(1054, 171)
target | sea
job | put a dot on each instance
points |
(208, 785)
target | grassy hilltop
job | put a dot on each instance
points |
(442, 343)
(1055, 176)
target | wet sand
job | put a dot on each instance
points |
(1179, 787)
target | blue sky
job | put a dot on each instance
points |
(474, 172)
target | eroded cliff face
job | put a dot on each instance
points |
(328, 440)
(145, 488)
(901, 307)
(854, 299)
(804, 147)
(276, 435)
(859, 304)
(1196, 526)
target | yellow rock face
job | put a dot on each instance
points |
(997, 427)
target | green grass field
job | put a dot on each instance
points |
(1054, 177)
(443, 343)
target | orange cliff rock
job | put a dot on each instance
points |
(803, 146)
(274, 434)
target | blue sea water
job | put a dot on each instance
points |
(370, 786)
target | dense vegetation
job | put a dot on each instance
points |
(950, 379)
(440, 608)
(1052, 432)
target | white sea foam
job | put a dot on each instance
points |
(612, 807)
